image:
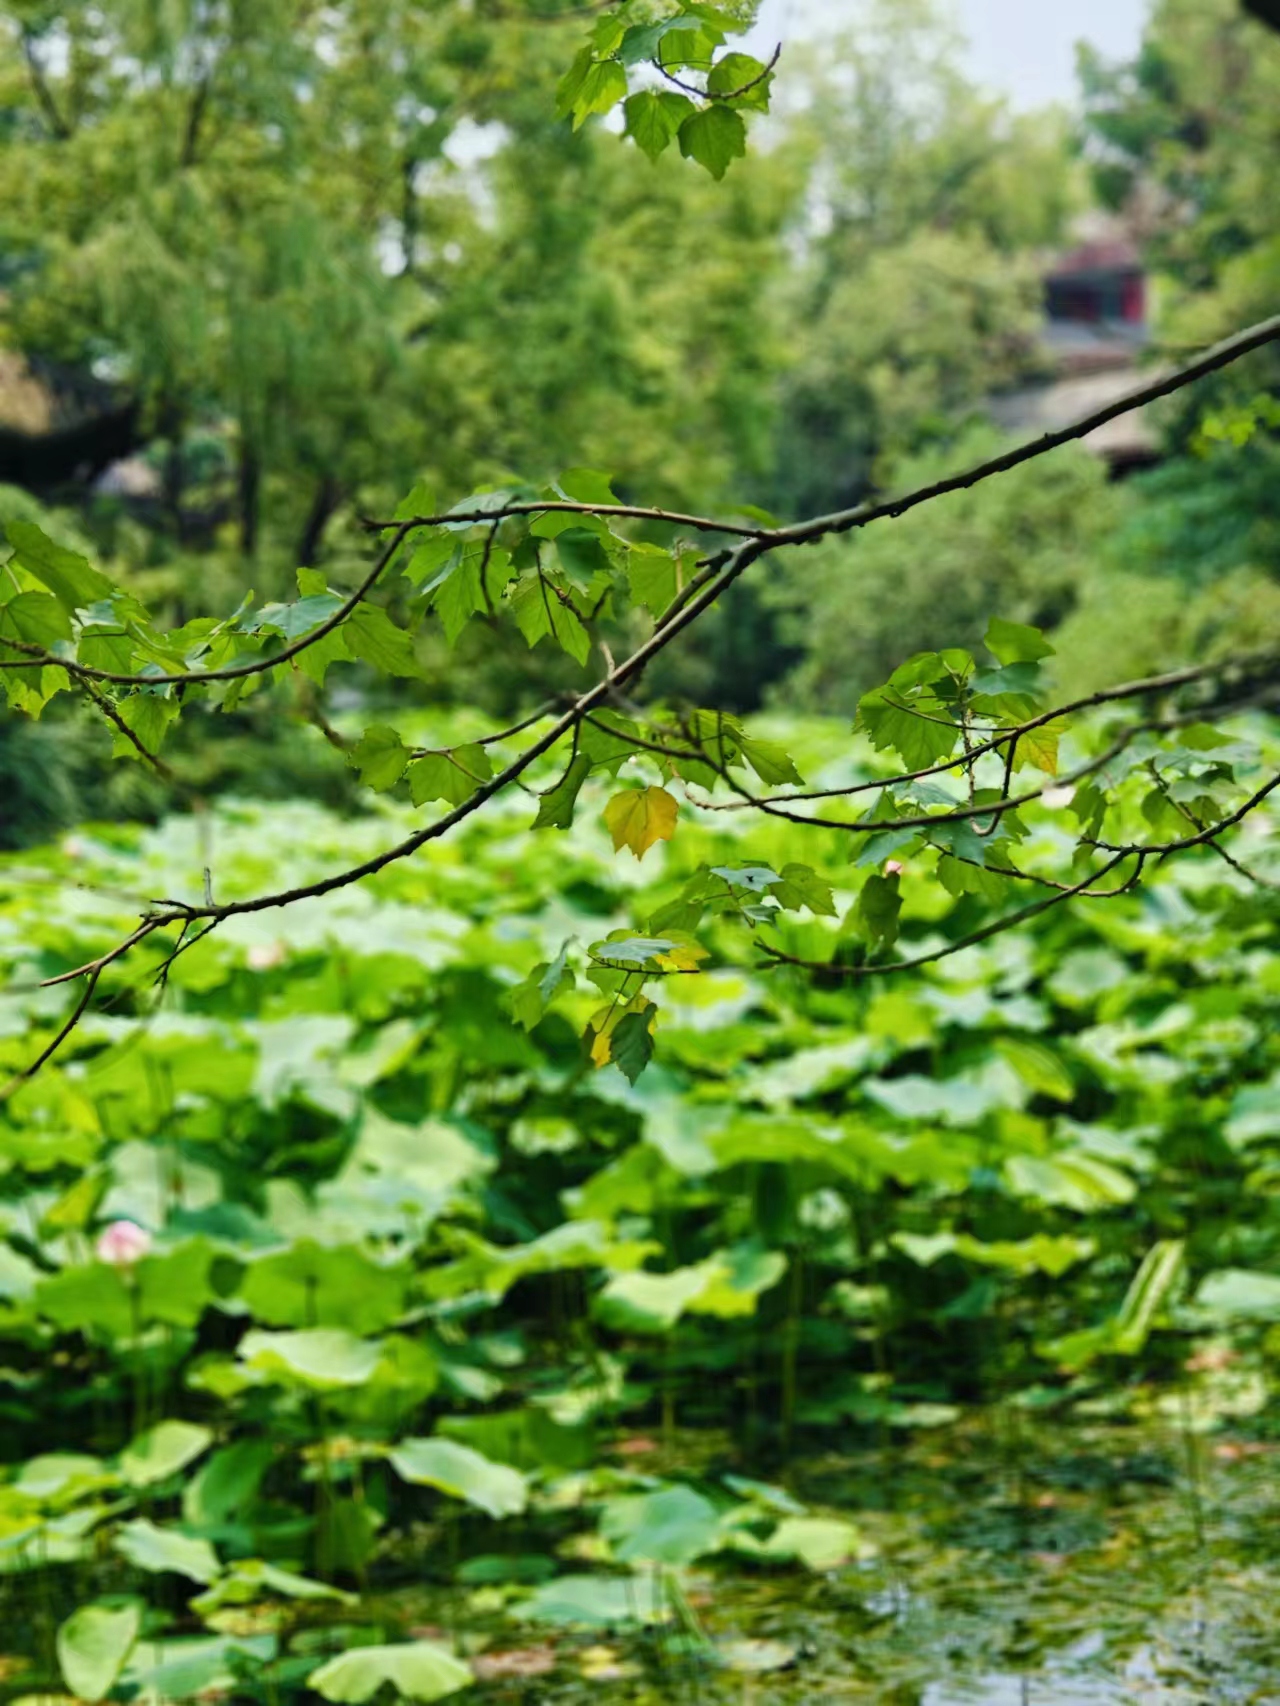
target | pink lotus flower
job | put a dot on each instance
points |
(894, 868)
(123, 1243)
(265, 956)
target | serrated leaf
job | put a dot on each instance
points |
(638, 817)
(587, 486)
(380, 756)
(919, 738)
(714, 137)
(433, 551)
(770, 761)
(661, 953)
(603, 85)
(654, 117)
(373, 637)
(1039, 747)
(582, 555)
(36, 617)
(542, 609)
(1014, 642)
(741, 78)
(452, 776)
(556, 807)
(149, 715)
(71, 578)
(653, 576)
(800, 886)
(631, 1042)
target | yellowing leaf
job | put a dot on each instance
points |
(638, 817)
(1040, 747)
(605, 1021)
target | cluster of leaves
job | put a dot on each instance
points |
(367, 1196)
(705, 117)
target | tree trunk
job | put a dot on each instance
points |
(327, 497)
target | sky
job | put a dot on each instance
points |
(1025, 49)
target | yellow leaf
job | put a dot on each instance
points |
(684, 956)
(638, 817)
(1040, 747)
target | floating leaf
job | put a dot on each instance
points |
(162, 1451)
(494, 1488)
(416, 1670)
(93, 1645)
(165, 1550)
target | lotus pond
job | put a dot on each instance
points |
(911, 1342)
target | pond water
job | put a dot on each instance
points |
(1108, 1566)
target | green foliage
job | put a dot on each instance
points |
(363, 1184)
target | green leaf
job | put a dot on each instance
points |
(1012, 642)
(318, 1359)
(631, 1042)
(73, 581)
(529, 1000)
(373, 637)
(654, 118)
(150, 716)
(416, 1670)
(641, 41)
(1038, 1067)
(556, 807)
(920, 739)
(433, 552)
(820, 1543)
(459, 591)
(323, 1285)
(603, 85)
(653, 577)
(740, 72)
(541, 607)
(570, 85)
(164, 1550)
(598, 1602)
(93, 1645)
(462, 1473)
(162, 1451)
(296, 619)
(251, 1581)
(800, 886)
(587, 486)
(879, 907)
(380, 756)
(36, 617)
(582, 555)
(452, 776)
(1241, 1294)
(713, 137)
(770, 761)
(226, 1482)
(672, 1526)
